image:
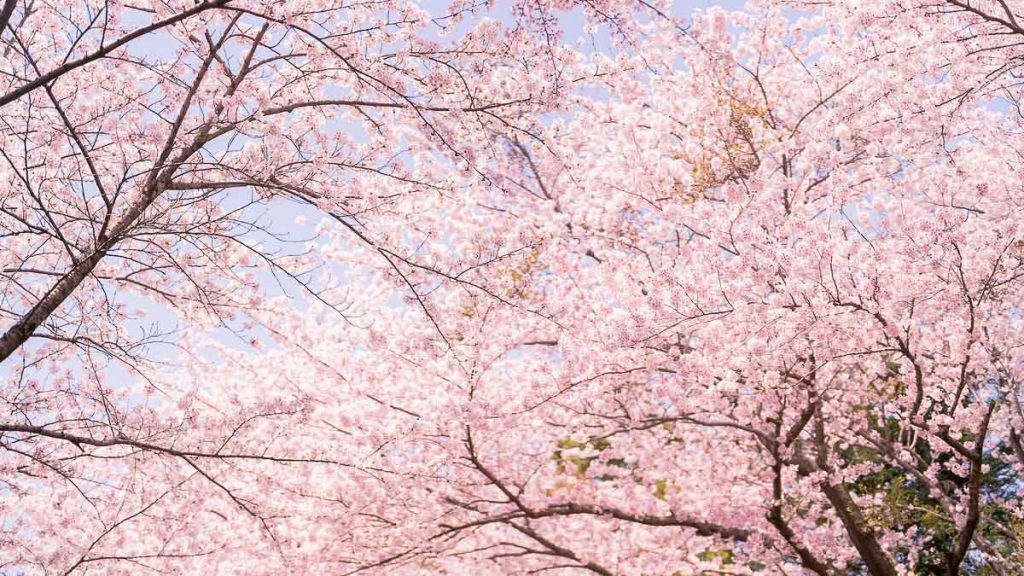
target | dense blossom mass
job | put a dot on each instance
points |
(527, 287)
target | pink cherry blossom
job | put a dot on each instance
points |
(542, 286)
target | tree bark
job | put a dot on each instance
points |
(5, 14)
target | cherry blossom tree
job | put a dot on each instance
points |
(365, 288)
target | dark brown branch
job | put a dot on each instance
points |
(74, 64)
(5, 14)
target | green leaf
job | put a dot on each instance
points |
(660, 487)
